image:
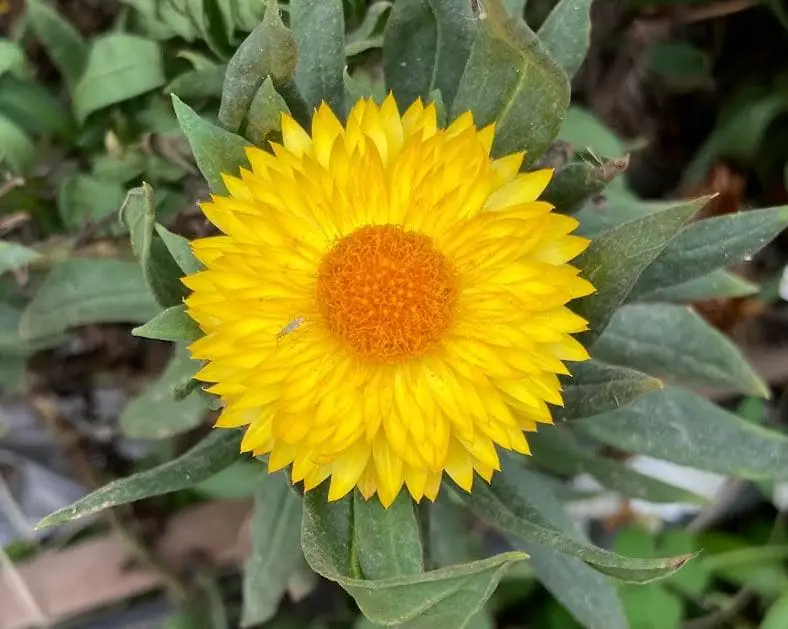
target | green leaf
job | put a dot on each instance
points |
(673, 342)
(15, 256)
(119, 68)
(156, 414)
(207, 18)
(442, 598)
(575, 182)
(367, 36)
(653, 608)
(82, 291)
(520, 503)
(172, 325)
(63, 43)
(684, 428)
(12, 58)
(451, 539)
(265, 114)
(34, 108)
(511, 80)
(211, 455)
(237, 482)
(83, 199)
(387, 540)
(587, 594)
(595, 387)
(16, 149)
(680, 65)
(707, 245)
(777, 616)
(716, 285)
(515, 7)
(555, 448)
(276, 549)
(566, 33)
(269, 50)
(216, 150)
(617, 257)
(159, 268)
(425, 46)
(180, 250)
(583, 130)
(199, 83)
(319, 29)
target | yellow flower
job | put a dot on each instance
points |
(387, 302)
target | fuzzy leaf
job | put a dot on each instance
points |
(588, 595)
(270, 50)
(218, 450)
(596, 388)
(555, 448)
(718, 284)
(156, 414)
(83, 199)
(518, 502)
(617, 257)
(710, 244)
(566, 33)
(511, 80)
(216, 150)
(161, 272)
(319, 30)
(265, 114)
(684, 428)
(63, 43)
(673, 342)
(442, 598)
(425, 46)
(82, 291)
(119, 67)
(180, 250)
(172, 325)
(387, 540)
(276, 549)
(575, 182)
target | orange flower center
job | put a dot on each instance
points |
(388, 294)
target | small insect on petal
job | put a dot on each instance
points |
(289, 328)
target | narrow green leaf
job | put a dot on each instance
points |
(319, 30)
(367, 36)
(518, 502)
(63, 43)
(583, 130)
(270, 50)
(511, 80)
(425, 46)
(595, 387)
(718, 284)
(265, 114)
(214, 453)
(179, 249)
(172, 325)
(588, 595)
(119, 68)
(777, 616)
(387, 540)
(617, 257)
(16, 149)
(161, 272)
(673, 342)
(156, 414)
(199, 83)
(13, 59)
(239, 481)
(210, 23)
(684, 428)
(555, 448)
(575, 182)
(216, 150)
(276, 549)
(451, 539)
(82, 291)
(15, 256)
(83, 199)
(442, 598)
(34, 108)
(566, 33)
(710, 244)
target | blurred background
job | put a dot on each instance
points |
(694, 91)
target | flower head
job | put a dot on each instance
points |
(387, 303)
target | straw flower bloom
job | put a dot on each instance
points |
(387, 302)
